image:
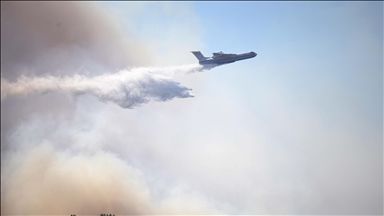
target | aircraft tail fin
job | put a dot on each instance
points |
(199, 56)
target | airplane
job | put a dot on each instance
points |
(220, 58)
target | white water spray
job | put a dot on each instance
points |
(126, 88)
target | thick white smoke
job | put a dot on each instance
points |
(58, 157)
(126, 88)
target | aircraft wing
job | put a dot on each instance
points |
(225, 55)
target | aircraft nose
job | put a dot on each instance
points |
(253, 53)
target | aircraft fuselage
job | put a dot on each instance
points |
(220, 58)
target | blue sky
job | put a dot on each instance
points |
(296, 130)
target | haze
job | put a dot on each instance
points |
(104, 109)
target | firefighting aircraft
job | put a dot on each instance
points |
(220, 58)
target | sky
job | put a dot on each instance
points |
(104, 109)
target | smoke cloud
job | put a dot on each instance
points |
(55, 157)
(40, 178)
(126, 88)
(58, 38)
